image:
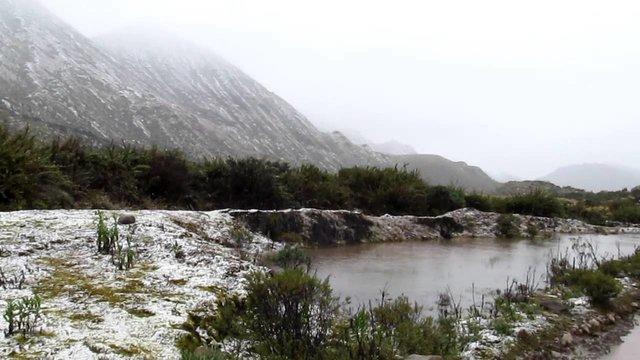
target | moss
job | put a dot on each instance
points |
(210, 288)
(179, 282)
(65, 279)
(191, 228)
(128, 351)
(141, 313)
(86, 317)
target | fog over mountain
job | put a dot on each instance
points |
(595, 177)
(151, 88)
(484, 82)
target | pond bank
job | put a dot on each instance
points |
(324, 227)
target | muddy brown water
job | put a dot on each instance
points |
(630, 347)
(467, 268)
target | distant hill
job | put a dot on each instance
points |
(523, 187)
(595, 177)
(437, 170)
(393, 148)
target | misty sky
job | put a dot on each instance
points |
(511, 86)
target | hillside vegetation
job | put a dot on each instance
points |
(67, 173)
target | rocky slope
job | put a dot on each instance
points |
(526, 186)
(149, 90)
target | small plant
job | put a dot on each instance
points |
(502, 327)
(532, 230)
(123, 258)
(239, 235)
(177, 250)
(508, 226)
(15, 282)
(22, 316)
(291, 257)
(107, 237)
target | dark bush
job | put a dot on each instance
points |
(312, 187)
(599, 286)
(384, 191)
(286, 315)
(165, 176)
(479, 202)
(393, 329)
(536, 203)
(508, 227)
(244, 183)
(28, 179)
(291, 257)
(442, 199)
(626, 213)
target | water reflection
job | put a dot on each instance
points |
(422, 270)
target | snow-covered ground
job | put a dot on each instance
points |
(92, 310)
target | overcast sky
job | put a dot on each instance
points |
(519, 87)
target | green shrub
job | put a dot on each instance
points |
(311, 187)
(165, 175)
(507, 226)
(285, 315)
(244, 183)
(289, 314)
(393, 329)
(627, 213)
(627, 266)
(293, 315)
(27, 178)
(292, 257)
(599, 286)
(536, 203)
(502, 327)
(442, 199)
(384, 191)
(479, 202)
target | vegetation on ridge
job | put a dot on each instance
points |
(67, 173)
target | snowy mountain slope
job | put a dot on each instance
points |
(150, 90)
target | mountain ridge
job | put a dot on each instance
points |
(177, 98)
(438, 170)
(595, 177)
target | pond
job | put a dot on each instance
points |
(629, 349)
(466, 268)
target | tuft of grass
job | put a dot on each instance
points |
(141, 313)
(128, 351)
(86, 317)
